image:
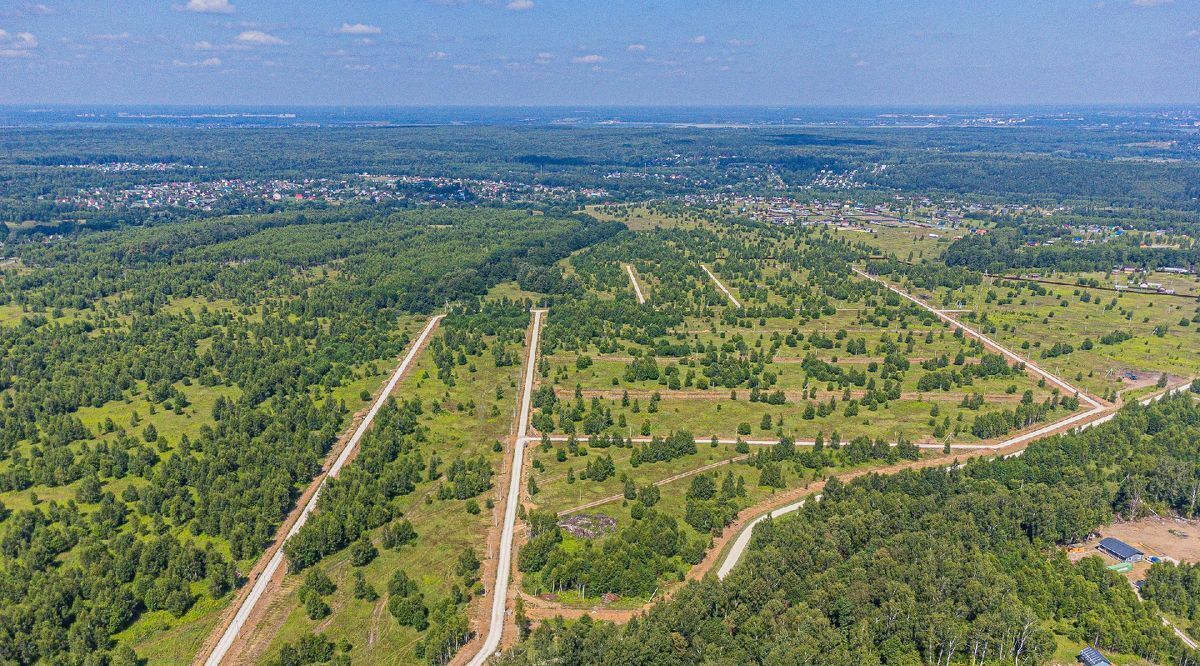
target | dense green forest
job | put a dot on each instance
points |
(1027, 245)
(934, 566)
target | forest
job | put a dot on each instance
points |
(191, 320)
(1021, 245)
(170, 390)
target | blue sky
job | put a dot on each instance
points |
(594, 52)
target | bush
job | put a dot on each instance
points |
(318, 582)
(310, 649)
(409, 612)
(314, 606)
(362, 552)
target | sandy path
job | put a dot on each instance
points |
(661, 482)
(793, 397)
(721, 286)
(1010, 447)
(495, 629)
(1030, 366)
(637, 289)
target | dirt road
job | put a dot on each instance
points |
(504, 556)
(231, 627)
(721, 286)
(661, 482)
(637, 289)
(988, 342)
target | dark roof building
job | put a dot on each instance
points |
(1120, 550)
(1091, 657)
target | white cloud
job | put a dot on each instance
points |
(17, 45)
(25, 40)
(519, 5)
(15, 9)
(698, 39)
(209, 6)
(111, 36)
(589, 59)
(359, 68)
(1193, 34)
(544, 58)
(207, 62)
(437, 55)
(258, 37)
(858, 61)
(203, 45)
(1151, 3)
(359, 29)
(739, 42)
(636, 48)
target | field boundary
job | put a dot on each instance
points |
(661, 482)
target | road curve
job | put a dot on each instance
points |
(1093, 416)
(504, 557)
(743, 538)
(721, 286)
(260, 585)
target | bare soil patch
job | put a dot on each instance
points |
(1165, 537)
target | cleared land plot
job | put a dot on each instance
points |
(1175, 538)
(902, 240)
(463, 421)
(1162, 336)
(558, 494)
(641, 218)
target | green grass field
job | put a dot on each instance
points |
(902, 240)
(1164, 338)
